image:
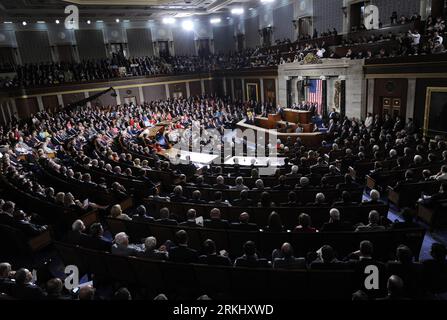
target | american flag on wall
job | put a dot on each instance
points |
(315, 93)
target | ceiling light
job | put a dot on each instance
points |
(99, 21)
(8, 22)
(237, 11)
(215, 20)
(267, 1)
(40, 22)
(57, 21)
(126, 20)
(24, 23)
(168, 20)
(249, 9)
(117, 20)
(88, 22)
(187, 25)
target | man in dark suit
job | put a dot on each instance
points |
(250, 257)
(395, 287)
(335, 224)
(244, 223)
(177, 195)
(345, 200)
(196, 197)
(191, 219)
(286, 260)
(6, 282)
(359, 261)
(182, 253)
(220, 183)
(141, 215)
(435, 269)
(211, 257)
(165, 218)
(22, 222)
(215, 221)
(24, 288)
(151, 252)
(97, 241)
(282, 184)
(243, 200)
(76, 235)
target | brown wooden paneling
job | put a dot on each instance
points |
(269, 91)
(50, 103)
(195, 88)
(176, 89)
(26, 107)
(390, 88)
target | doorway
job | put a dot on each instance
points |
(304, 28)
(357, 15)
(163, 49)
(204, 47)
(130, 100)
(391, 106)
(252, 91)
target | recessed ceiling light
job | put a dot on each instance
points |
(40, 22)
(88, 22)
(188, 25)
(99, 21)
(117, 20)
(57, 21)
(24, 23)
(126, 20)
(215, 20)
(8, 22)
(237, 11)
(168, 20)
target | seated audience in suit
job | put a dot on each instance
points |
(293, 172)
(96, 240)
(250, 257)
(199, 183)
(122, 294)
(76, 235)
(326, 259)
(87, 293)
(335, 224)
(265, 201)
(6, 278)
(320, 201)
(442, 174)
(375, 197)
(292, 200)
(165, 218)
(22, 222)
(243, 200)
(219, 201)
(191, 216)
(210, 256)
(140, 215)
(117, 213)
(239, 184)
(373, 225)
(274, 223)
(215, 221)
(282, 184)
(433, 200)
(177, 195)
(54, 289)
(284, 259)
(220, 183)
(122, 247)
(346, 200)
(408, 223)
(244, 223)
(359, 261)
(304, 224)
(259, 185)
(435, 269)
(395, 288)
(196, 197)
(409, 178)
(24, 288)
(348, 185)
(410, 272)
(151, 251)
(181, 252)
